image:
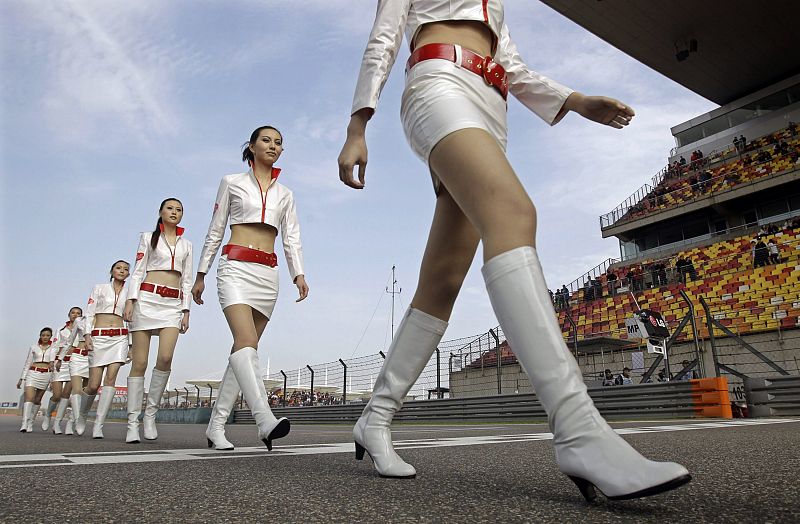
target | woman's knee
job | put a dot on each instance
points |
(164, 362)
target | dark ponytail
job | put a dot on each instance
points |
(157, 230)
(247, 155)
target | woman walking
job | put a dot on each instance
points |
(35, 377)
(462, 66)
(257, 207)
(158, 304)
(106, 340)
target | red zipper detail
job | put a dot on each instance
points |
(263, 198)
(486, 11)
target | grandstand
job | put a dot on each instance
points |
(706, 225)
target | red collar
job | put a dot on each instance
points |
(68, 324)
(178, 229)
(276, 171)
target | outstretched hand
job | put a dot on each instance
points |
(601, 109)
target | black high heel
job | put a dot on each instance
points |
(279, 431)
(210, 444)
(589, 491)
(360, 451)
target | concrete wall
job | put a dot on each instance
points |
(782, 347)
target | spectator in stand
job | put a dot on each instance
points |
(662, 274)
(564, 296)
(760, 253)
(597, 288)
(631, 280)
(703, 182)
(792, 128)
(662, 376)
(611, 278)
(608, 378)
(624, 379)
(737, 145)
(682, 162)
(689, 374)
(772, 229)
(552, 296)
(743, 142)
(774, 253)
(588, 291)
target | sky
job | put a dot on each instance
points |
(108, 107)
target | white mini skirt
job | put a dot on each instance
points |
(247, 283)
(152, 312)
(108, 350)
(38, 379)
(441, 97)
(63, 375)
(79, 365)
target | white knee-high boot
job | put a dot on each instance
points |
(158, 382)
(27, 410)
(135, 397)
(60, 410)
(68, 426)
(32, 418)
(587, 449)
(247, 369)
(103, 405)
(80, 408)
(228, 391)
(51, 406)
(414, 342)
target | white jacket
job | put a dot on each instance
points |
(163, 258)
(538, 93)
(75, 337)
(240, 201)
(64, 335)
(37, 354)
(104, 300)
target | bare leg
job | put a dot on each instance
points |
(475, 171)
(57, 391)
(95, 379)
(451, 247)
(241, 320)
(167, 340)
(139, 352)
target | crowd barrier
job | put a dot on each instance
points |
(773, 396)
(677, 399)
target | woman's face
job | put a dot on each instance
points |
(74, 313)
(267, 147)
(172, 213)
(45, 337)
(120, 271)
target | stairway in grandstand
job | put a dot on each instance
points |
(744, 298)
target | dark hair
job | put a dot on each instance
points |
(157, 230)
(112, 268)
(76, 307)
(247, 155)
(42, 331)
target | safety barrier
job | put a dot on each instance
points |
(677, 399)
(775, 396)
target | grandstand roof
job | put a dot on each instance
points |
(742, 46)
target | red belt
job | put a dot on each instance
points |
(111, 332)
(41, 370)
(491, 72)
(79, 351)
(164, 291)
(66, 358)
(246, 254)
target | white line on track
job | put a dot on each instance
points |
(170, 455)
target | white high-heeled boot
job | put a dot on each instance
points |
(158, 381)
(103, 405)
(588, 451)
(60, 410)
(68, 427)
(27, 409)
(135, 397)
(228, 391)
(32, 417)
(80, 407)
(247, 369)
(51, 406)
(414, 342)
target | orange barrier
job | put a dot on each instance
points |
(711, 398)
